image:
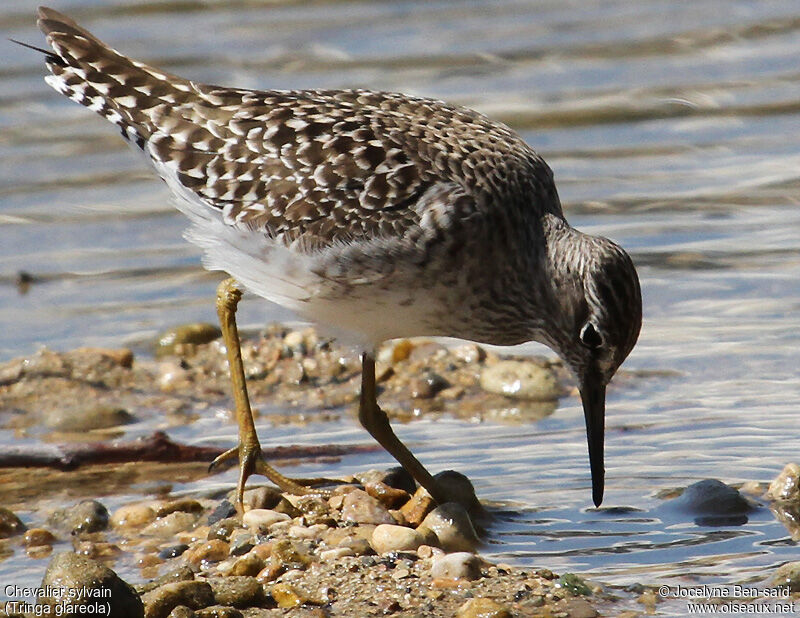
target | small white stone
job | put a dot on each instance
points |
(170, 524)
(460, 565)
(260, 520)
(301, 532)
(292, 575)
(335, 553)
(390, 537)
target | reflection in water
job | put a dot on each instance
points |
(673, 128)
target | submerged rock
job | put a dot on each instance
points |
(521, 380)
(452, 526)
(457, 488)
(713, 503)
(79, 581)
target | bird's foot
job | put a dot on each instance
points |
(251, 461)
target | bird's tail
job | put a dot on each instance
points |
(124, 91)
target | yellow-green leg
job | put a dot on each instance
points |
(377, 424)
(251, 460)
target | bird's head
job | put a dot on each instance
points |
(598, 292)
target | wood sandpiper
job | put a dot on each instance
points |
(377, 214)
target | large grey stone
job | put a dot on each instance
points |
(80, 586)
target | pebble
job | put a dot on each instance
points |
(210, 551)
(388, 537)
(173, 551)
(429, 551)
(241, 542)
(180, 574)
(481, 607)
(79, 581)
(580, 608)
(183, 505)
(390, 497)
(86, 418)
(170, 524)
(296, 341)
(37, 537)
(10, 524)
(85, 516)
(788, 575)
(313, 508)
(458, 565)
(336, 553)
(223, 510)
(249, 564)
(452, 526)
(119, 356)
(397, 477)
(260, 498)
(574, 584)
(427, 386)
(290, 554)
(173, 376)
(714, 503)
(456, 487)
(192, 594)
(358, 506)
(171, 341)
(149, 560)
(520, 380)
(216, 611)
(469, 353)
(260, 520)
(182, 612)
(133, 516)
(238, 591)
(222, 529)
(401, 350)
(287, 596)
(786, 487)
(418, 507)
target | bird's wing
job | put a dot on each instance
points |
(319, 167)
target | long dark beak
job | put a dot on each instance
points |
(593, 395)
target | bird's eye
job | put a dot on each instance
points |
(591, 337)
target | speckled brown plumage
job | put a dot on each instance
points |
(376, 213)
(323, 165)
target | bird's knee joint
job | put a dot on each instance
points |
(228, 295)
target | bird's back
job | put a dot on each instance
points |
(319, 166)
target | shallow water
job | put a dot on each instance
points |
(673, 128)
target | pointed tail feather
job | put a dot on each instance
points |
(89, 72)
